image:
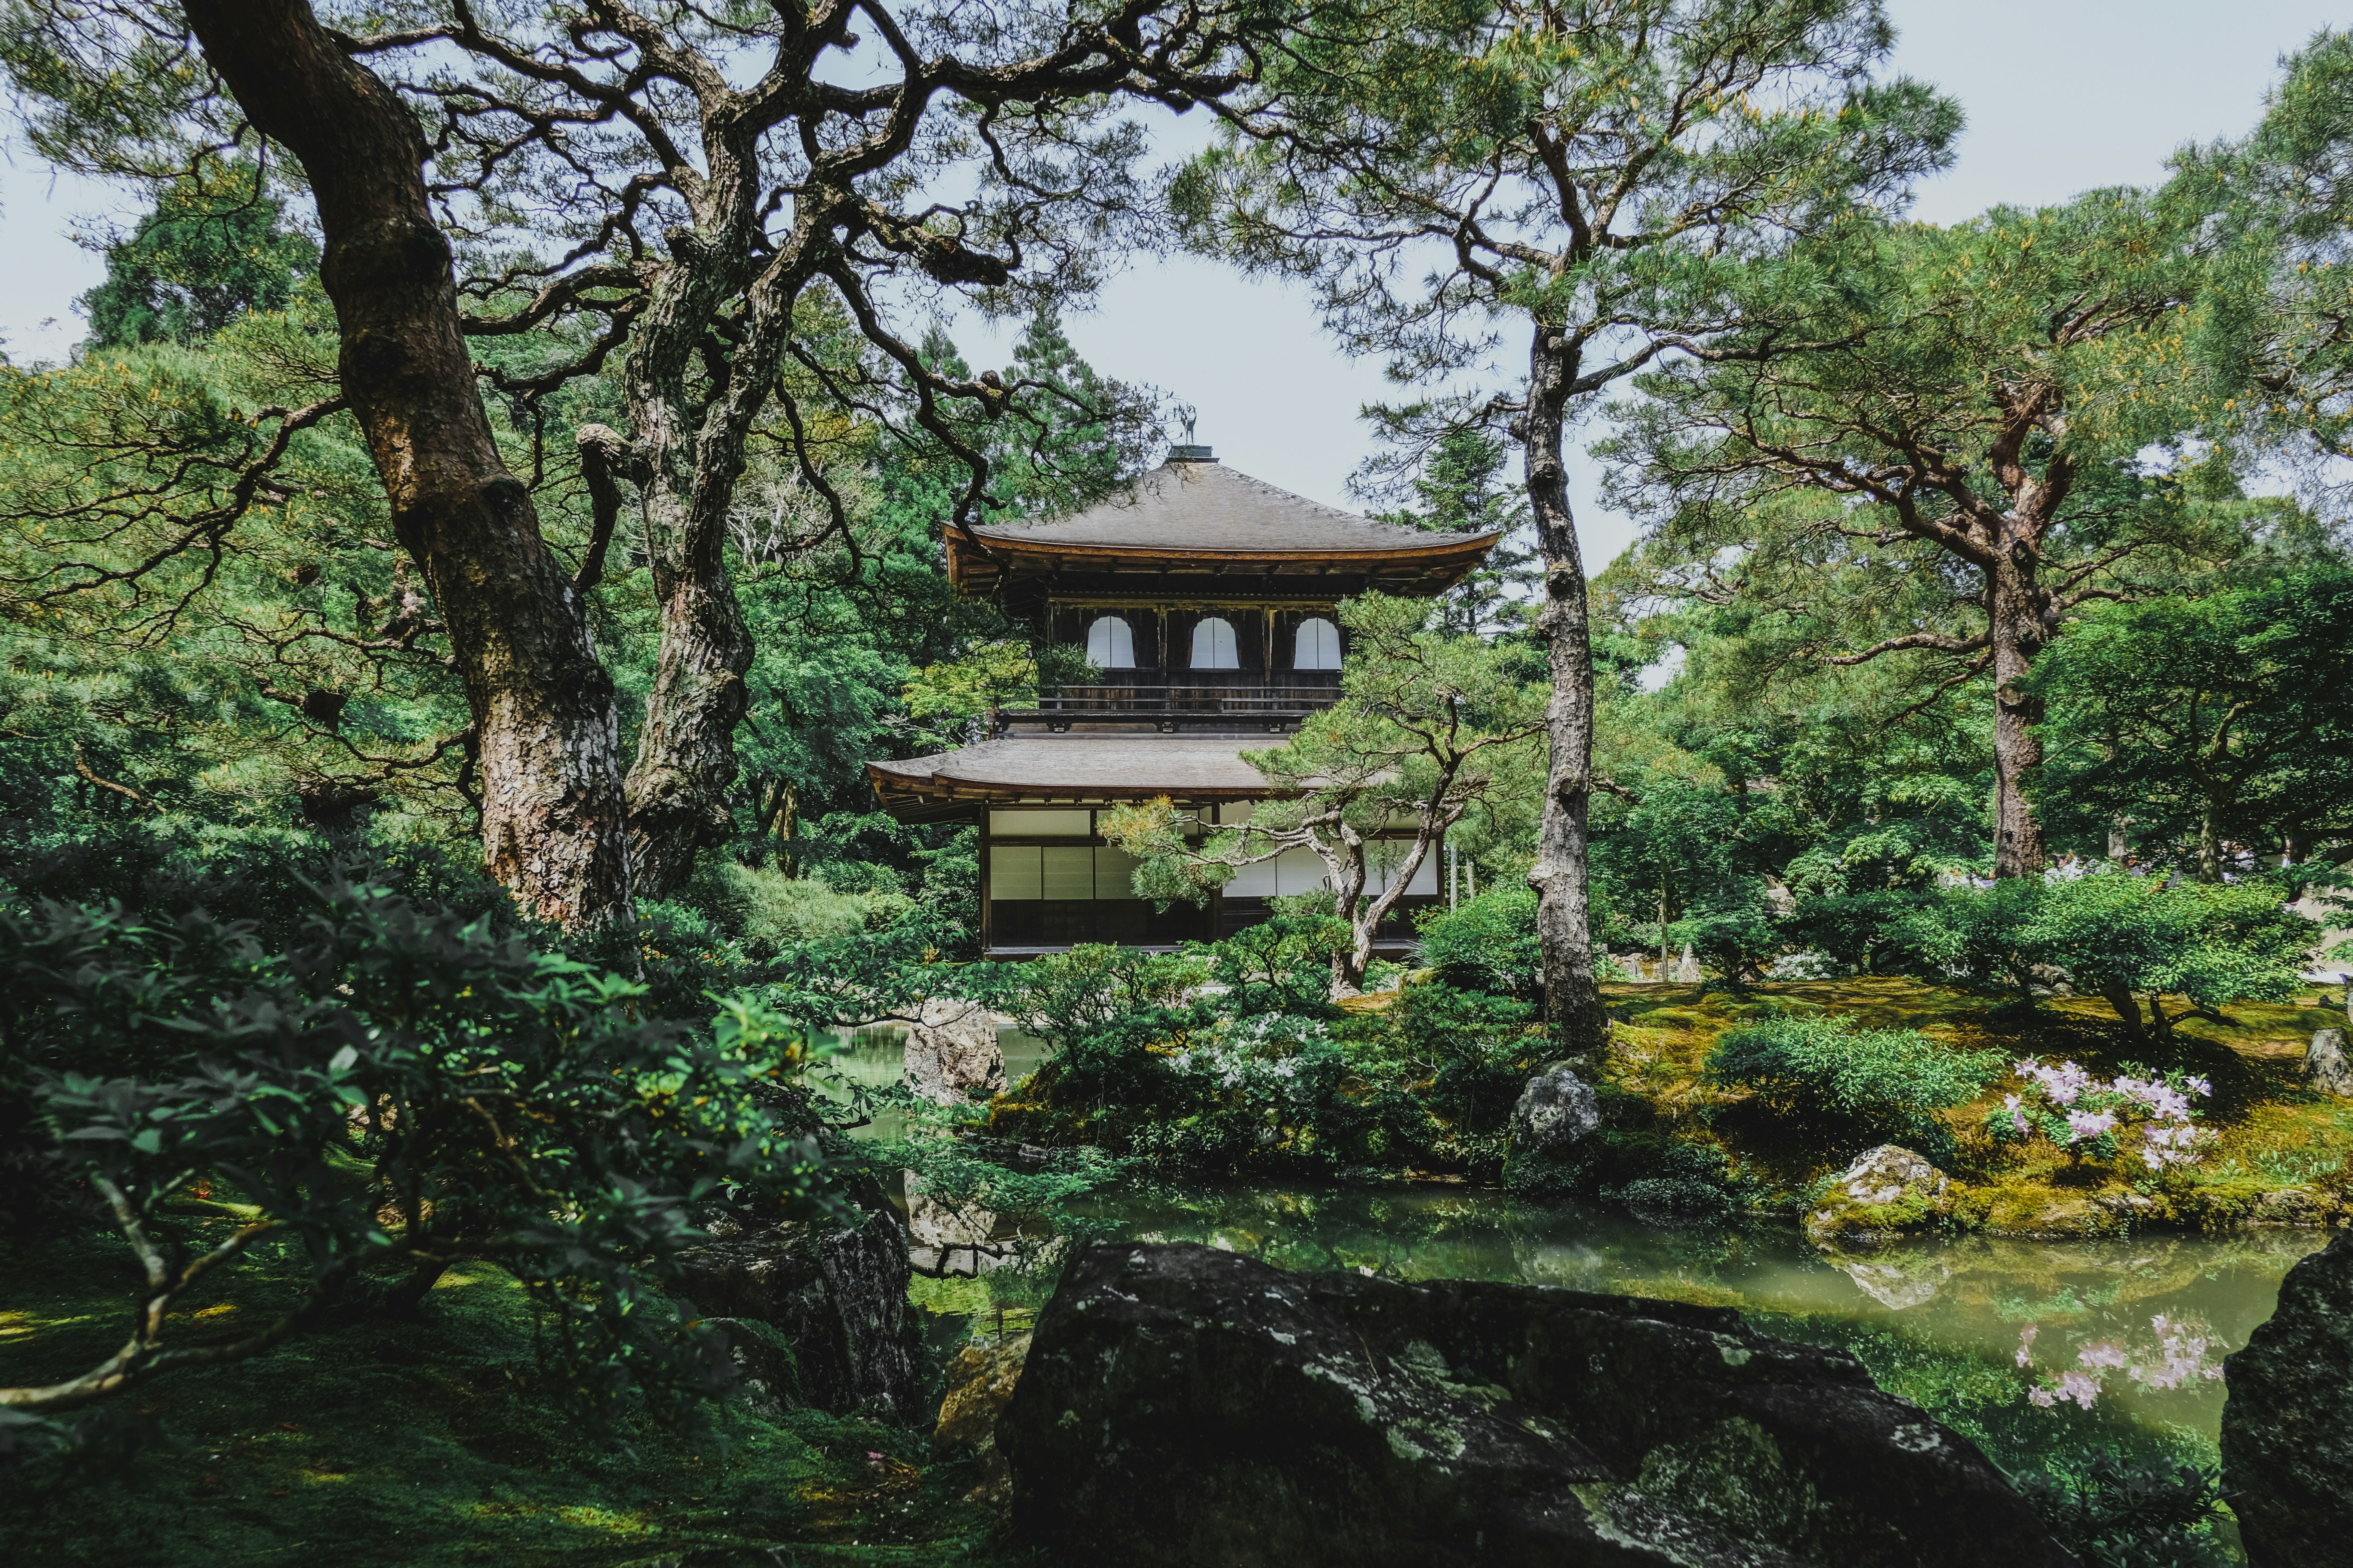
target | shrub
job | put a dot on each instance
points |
(1487, 943)
(398, 1091)
(2116, 1513)
(1875, 1084)
(2125, 938)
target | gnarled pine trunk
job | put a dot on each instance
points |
(553, 828)
(1563, 905)
(2015, 607)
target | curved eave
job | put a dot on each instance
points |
(978, 559)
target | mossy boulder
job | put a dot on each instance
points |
(1888, 1193)
(816, 1310)
(2287, 1425)
(1182, 1404)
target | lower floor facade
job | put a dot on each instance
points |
(1050, 881)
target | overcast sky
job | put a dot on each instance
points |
(2062, 96)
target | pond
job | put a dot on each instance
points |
(2032, 1348)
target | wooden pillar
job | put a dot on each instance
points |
(986, 923)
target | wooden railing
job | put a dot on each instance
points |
(1167, 704)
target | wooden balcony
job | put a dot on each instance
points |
(1195, 705)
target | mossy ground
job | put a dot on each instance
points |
(430, 1442)
(2281, 1153)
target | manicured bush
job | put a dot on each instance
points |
(1869, 1086)
(2128, 939)
(1487, 943)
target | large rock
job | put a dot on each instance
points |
(953, 1054)
(2287, 1426)
(816, 1311)
(980, 1383)
(1887, 1193)
(1185, 1406)
(1555, 1109)
(2326, 1065)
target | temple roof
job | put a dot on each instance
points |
(1072, 767)
(1195, 513)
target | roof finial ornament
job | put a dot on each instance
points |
(1185, 451)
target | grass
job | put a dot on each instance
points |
(428, 1442)
(2282, 1154)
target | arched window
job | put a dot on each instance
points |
(1111, 644)
(1213, 645)
(1319, 644)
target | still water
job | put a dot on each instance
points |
(2029, 1348)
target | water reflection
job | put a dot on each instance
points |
(2029, 1347)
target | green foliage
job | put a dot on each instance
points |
(2212, 942)
(397, 1091)
(2113, 1510)
(1487, 943)
(2226, 717)
(214, 246)
(1865, 1086)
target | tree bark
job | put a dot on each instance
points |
(2015, 610)
(1564, 909)
(553, 825)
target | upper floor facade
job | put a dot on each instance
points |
(1205, 598)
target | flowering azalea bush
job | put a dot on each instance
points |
(2095, 1118)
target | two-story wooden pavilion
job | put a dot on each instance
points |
(1206, 599)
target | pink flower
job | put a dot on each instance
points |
(2199, 1086)
(2025, 1356)
(2080, 1387)
(2102, 1356)
(2041, 1397)
(2009, 1102)
(2086, 1124)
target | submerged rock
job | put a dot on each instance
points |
(816, 1311)
(949, 1238)
(2325, 1066)
(1185, 1406)
(953, 1053)
(2287, 1425)
(1887, 1192)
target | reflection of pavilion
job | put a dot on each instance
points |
(1206, 599)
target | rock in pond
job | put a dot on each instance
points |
(1185, 1406)
(2287, 1425)
(817, 1310)
(952, 1052)
(1557, 1109)
(2325, 1066)
(1886, 1192)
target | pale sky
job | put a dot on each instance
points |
(2062, 96)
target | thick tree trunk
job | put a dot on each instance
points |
(686, 752)
(2014, 611)
(678, 785)
(553, 827)
(1564, 910)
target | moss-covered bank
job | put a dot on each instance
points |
(430, 1442)
(2277, 1154)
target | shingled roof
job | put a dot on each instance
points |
(1072, 767)
(1201, 504)
(1194, 508)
